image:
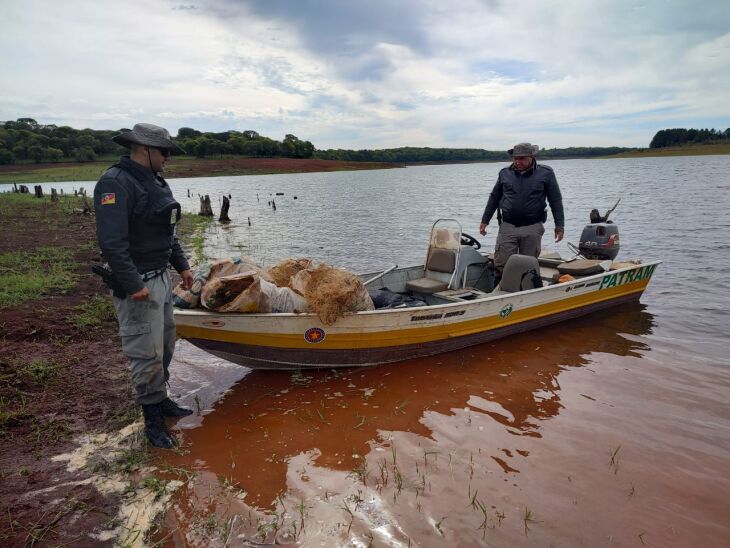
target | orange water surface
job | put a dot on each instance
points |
(582, 434)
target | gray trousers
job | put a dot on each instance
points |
(511, 239)
(147, 329)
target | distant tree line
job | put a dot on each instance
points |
(412, 155)
(426, 154)
(681, 136)
(25, 140)
(241, 143)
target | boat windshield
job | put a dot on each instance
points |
(445, 238)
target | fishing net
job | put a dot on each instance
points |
(294, 285)
(331, 292)
(282, 273)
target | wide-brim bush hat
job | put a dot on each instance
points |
(523, 149)
(148, 135)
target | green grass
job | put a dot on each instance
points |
(40, 371)
(125, 414)
(79, 172)
(28, 275)
(683, 150)
(93, 313)
(156, 485)
(47, 432)
(38, 212)
(191, 231)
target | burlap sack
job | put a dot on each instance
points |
(235, 293)
(190, 298)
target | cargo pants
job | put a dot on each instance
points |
(511, 239)
(147, 329)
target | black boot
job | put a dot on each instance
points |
(171, 409)
(155, 428)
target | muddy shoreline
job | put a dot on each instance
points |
(64, 382)
(183, 168)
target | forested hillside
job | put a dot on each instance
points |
(25, 140)
(681, 136)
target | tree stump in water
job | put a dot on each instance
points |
(54, 195)
(38, 191)
(23, 189)
(205, 209)
(224, 218)
(15, 188)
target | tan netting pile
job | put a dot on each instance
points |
(294, 285)
(282, 273)
(331, 292)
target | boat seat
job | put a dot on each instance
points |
(438, 272)
(584, 267)
(517, 274)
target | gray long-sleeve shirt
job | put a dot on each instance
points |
(135, 223)
(522, 196)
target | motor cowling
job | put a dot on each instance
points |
(599, 241)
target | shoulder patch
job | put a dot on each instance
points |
(108, 198)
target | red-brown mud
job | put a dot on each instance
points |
(40, 502)
(211, 167)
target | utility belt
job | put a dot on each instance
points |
(152, 274)
(111, 281)
(526, 222)
(521, 223)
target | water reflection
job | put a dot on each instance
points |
(334, 421)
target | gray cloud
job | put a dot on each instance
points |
(375, 74)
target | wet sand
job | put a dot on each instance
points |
(582, 434)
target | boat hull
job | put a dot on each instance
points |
(293, 341)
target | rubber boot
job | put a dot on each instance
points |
(170, 408)
(155, 427)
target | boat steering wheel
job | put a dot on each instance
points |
(470, 241)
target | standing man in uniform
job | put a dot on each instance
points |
(136, 216)
(520, 194)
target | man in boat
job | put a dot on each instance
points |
(136, 216)
(519, 195)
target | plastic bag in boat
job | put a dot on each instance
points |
(331, 292)
(248, 292)
(283, 299)
(190, 298)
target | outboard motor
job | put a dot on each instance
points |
(599, 239)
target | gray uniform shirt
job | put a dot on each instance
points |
(522, 196)
(135, 223)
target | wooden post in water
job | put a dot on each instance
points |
(205, 209)
(15, 188)
(23, 189)
(54, 195)
(224, 218)
(38, 191)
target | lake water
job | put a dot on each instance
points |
(612, 429)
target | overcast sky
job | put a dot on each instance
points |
(375, 73)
